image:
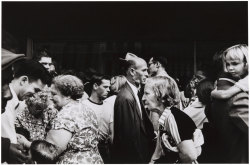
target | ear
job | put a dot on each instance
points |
(95, 86)
(24, 80)
(158, 65)
(132, 71)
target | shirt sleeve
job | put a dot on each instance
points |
(243, 84)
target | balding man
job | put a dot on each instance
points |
(133, 131)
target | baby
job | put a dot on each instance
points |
(235, 60)
(43, 152)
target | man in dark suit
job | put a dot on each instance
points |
(133, 131)
(230, 119)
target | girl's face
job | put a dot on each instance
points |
(235, 67)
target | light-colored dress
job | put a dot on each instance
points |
(82, 123)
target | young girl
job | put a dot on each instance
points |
(235, 60)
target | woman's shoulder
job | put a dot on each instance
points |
(181, 117)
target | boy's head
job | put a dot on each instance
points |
(43, 152)
(235, 61)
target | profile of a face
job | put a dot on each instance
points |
(140, 72)
(58, 98)
(103, 89)
(149, 98)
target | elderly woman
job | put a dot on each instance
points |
(33, 119)
(177, 136)
(74, 130)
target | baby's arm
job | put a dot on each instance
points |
(225, 94)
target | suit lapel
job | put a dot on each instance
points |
(136, 107)
(140, 115)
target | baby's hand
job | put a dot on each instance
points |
(23, 141)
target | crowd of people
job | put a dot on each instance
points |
(138, 117)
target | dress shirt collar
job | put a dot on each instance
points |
(134, 89)
(14, 99)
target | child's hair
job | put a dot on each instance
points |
(239, 51)
(43, 152)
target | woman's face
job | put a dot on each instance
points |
(37, 103)
(150, 100)
(57, 97)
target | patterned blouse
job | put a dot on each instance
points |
(35, 126)
(82, 123)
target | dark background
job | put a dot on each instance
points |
(80, 35)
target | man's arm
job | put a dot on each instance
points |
(239, 111)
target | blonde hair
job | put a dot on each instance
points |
(239, 51)
(117, 82)
(165, 89)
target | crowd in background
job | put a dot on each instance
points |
(138, 117)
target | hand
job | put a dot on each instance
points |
(23, 141)
(16, 154)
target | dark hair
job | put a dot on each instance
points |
(191, 86)
(203, 91)
(33, 69)
(44, 152)
(42, 53)
(97, 79)
(7, 75)
(161, 60)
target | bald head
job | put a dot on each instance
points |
(137, 71)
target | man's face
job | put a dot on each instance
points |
(152, 69)
(103, 89)
(141, 73)
(235, 67)
(28, 89)
(46, 62)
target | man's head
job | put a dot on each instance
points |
(137, 71)
(100, 86)
(8, 58)
(44, 59)
(155, 63)
(29, 77)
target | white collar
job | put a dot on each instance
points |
(14, 95)
(134, 89)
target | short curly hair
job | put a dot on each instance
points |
(165, 89)
(69, 85)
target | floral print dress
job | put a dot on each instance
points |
(82, 123)
(36, 127)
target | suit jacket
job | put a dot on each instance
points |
(230, 119)
(133, 135)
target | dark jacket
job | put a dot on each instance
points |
(230, 119)
(133, 135)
